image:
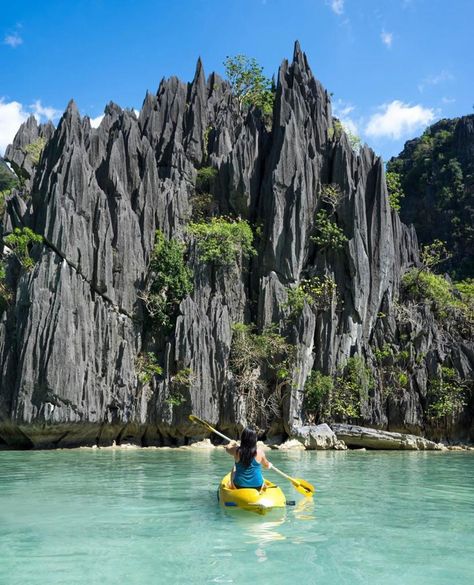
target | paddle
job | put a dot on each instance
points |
(302, 486)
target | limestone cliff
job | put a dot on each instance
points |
(74, 331)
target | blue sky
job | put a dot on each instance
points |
(394, 66)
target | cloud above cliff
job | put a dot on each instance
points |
(95, 122)
(13, 114)
(397, 120)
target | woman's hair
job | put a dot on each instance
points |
(248, 446)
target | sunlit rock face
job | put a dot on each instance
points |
(71, 338)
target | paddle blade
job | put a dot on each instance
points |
(303, 487)
(195, 419)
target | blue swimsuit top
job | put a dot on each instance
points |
(250, 476)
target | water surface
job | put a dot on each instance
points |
(150, 516)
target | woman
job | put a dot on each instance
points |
(247, 471)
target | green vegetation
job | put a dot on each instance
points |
(175, 399)
(8, 182)
(340, 398)
(437, 176)
(180, 382)
(317, 292)
(335, 132)
(262, 365)
(249, 83)
(318, 390)
(205, 179)
(395, 191)
(332, 195)
(207, 134)
(34, 149)
(447, 395)
(338, 129)
(147, 367)
(427, 286)
(20, 242)
(222, 241)
(202, 201)
(5, 292)
(328, 234)
(448, 299)
(170, 281)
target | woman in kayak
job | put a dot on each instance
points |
(247, 471)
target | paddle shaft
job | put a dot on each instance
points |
(282, 474)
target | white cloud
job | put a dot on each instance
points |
(398, 119)
(387, 38)
(40, 112)
(95, 122)
(350, 126)
(341, 110)
(435, 79)
(13, 40)
(337, 6)
(447, 100)
(12, 115)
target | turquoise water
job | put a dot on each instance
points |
(116, 516)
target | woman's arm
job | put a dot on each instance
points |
(231, 448)
(264, 461)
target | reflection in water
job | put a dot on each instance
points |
(304, 509)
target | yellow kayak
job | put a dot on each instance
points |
(261, 502)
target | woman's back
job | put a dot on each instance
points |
(248, 475)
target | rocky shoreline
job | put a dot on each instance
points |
(322, 437)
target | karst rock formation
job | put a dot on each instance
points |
(71, 338)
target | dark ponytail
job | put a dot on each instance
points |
(248, 446)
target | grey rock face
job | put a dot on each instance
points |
(363, 437)
(71, 341)
(318, 437)
(20, 155)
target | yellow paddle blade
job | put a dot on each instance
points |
(195, 419)
(303, 486)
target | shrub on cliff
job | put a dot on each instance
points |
(262, 365)
(20, 242)
(169, 282)
(35, 149)
(249, 83)
(448, 299)
(342, 397)
(395, 191)
(317, 292)
(222, 241)
(202, 201)
(447, 395)
(328, 234)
